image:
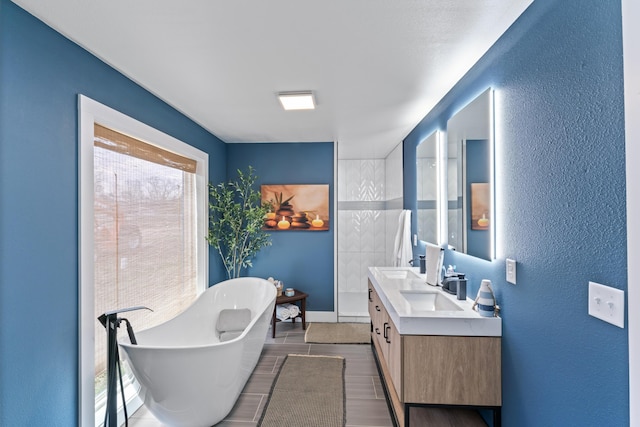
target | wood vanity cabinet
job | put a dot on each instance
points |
(426, 370)
(386, 336)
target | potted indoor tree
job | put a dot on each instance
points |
(236, 217)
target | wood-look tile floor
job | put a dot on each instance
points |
(366, 403)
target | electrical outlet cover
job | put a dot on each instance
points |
(511, 271)
(606, 303)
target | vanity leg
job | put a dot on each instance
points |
(406, 415)
(497, 417)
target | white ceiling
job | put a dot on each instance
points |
(376, 67)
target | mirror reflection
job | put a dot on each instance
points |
(469, 178)
(427, 189)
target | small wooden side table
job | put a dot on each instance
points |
(298, 297)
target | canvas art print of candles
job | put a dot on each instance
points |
(296, 207)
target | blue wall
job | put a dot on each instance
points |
(558, 76)
(41, 74)
(561, 209)
(301, 259)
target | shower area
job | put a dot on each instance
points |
(369, 204)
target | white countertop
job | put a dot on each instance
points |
(465, 322)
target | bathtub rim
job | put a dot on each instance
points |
(229, 282)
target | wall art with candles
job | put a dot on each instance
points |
(302, 207)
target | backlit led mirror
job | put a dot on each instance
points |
(470, 186)
(427, 189)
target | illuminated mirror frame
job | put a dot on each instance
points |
(443, 163)
(443, 223)
(429, 148)
(492, 171)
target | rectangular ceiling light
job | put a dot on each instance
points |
(297, 100)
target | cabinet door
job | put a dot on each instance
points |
(385, 342)
(371, 304)
(453, 370)
(394, 358)
(375, 312)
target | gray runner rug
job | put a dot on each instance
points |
(308, 391)
(338, 333)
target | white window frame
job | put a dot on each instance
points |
(89, 113)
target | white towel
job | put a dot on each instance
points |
(294, 310)
(402, 251)
(282, 312)
(435, 257)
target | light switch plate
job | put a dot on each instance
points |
(511, 271)
(606, 303)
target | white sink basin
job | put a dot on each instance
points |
(428, 301)
(399, 274)
(417, 308)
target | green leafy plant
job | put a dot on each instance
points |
(236, 217)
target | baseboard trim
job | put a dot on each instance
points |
(321, 316)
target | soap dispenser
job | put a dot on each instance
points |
(461, 290)
(423, 264)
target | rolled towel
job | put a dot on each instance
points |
(282, 312)
(294, 310)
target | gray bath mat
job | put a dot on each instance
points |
(309, 392)
(338, 333)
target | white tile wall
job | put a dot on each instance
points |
(367, 239)
(379, 180)
(365, 236)
(391, 228)
(367, 187)
(342, 182)
(379, 231)
(352, 180)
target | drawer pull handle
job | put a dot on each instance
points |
(370, 299)
(385, 326)
(377, 308)
(386, 334)
(378, 331)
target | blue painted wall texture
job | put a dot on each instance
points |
(41, 75)
(301, 259)
(560, 172)
(561, 209)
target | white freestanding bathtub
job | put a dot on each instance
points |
(189, 377)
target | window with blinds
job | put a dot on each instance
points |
(145, 242)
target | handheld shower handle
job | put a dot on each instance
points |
(132, 336)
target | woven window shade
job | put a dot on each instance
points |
(115, 141)
(145, 232)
